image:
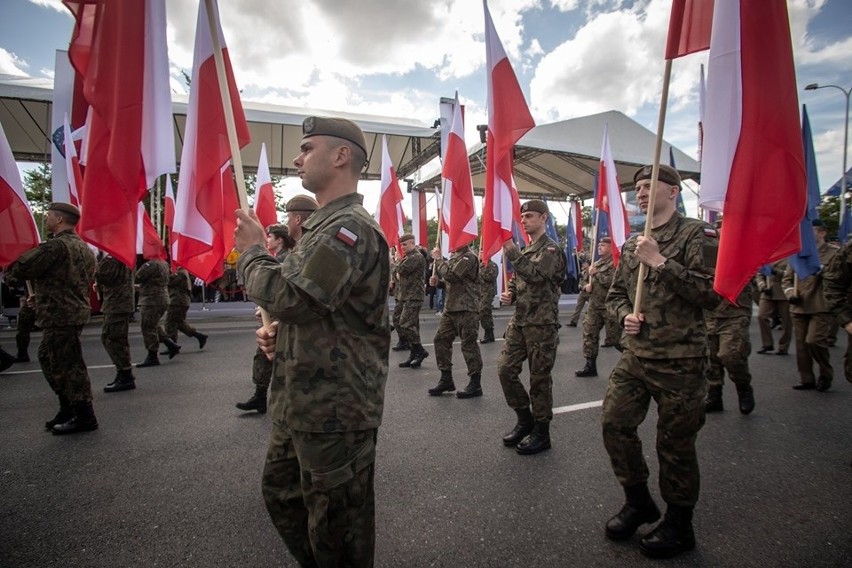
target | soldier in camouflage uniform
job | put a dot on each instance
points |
(813, 322)
(180, 298)
(152, 279)
(331, 355)
(664, 358)
(583, 296)
(532, 331)
(488, 273)
(773, 303)
(409, 291)
(25, 323)
(61, 270)
(837, 290)
(600, 273)
(114, 281)
(460, 319)
(402, 344)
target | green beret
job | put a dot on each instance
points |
(337, 127)
(302, 203)
(406, 237)
(536, 205)
(667, 175)
(66, 208)
(606, 240)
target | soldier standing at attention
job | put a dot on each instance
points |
(409, 291)
(600, 273)
(180, 298)
(583, 296)
(532, 331)
(487, 290)
(813, 322)
(61, 269)
(664, 358)
(460, 319)
(114, 281)
(395, 260)
(773, 303)
(152, 279)
(331, 351)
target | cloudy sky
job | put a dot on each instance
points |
(398, 57)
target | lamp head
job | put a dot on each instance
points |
(812, 87)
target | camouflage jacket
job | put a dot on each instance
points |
(601, 281)
(810, 288)
(772, 281)
(115, 283)
(488, 280)
(180, 288)
(837, 285)
(330, 297)
(460, 275)
(535, 289)
(675, 296)
(743, 307)
(61, 269)
(153, 280)
(409, 274)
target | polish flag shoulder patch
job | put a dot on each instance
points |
(347, 236)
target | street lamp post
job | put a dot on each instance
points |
(846, 92)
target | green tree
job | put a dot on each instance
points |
(37, 186)
(829, 212)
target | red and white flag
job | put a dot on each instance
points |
(610, 200)
(119, 51)
(148, 242)
(690, 25)
(390, 215)
(577, 216)
(419, 226)
(509, 119)
(72, 166)
(169, 219)
(203, 210)
(752, 166)
(264, 200)
(68, 100)
(18, 231)
(458, 211)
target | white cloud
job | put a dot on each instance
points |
(11, 64)
(53, 4)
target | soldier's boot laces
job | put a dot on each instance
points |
(124, 380)
(537, 441)
(489, 336)
(672, 536)
(202, 339)
(256, 402)
(83, 420)
(64, 415)
(522, 429)
(151, 360)
(446, 384)
(590, 370)
(473, 388)
(638, 509)
(745, 394)
(713, 401)
(419, 355)
(173, 348)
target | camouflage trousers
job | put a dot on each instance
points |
(408, 324)
(61, 357)
(318, 489)
(730, 347)
(25, 325)
(813, 332)
(397, 312)
(678, 387)
(486, 312)
(152, 331)
(464, 325)
(261, 370)
(176, 322)
(114, 336)
(597, 319)
(769, 308)
(537, 344)
(582, 298)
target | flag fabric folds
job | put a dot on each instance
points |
(205, 209)
(419, 226)
(752, 163)
(148, 242)
(72, 165)
(459, 214)
(18, 231)
(389, 215)
(169, 219)
(509, 119)
(806, 262)
(577, 219)
(264, 199)
(571, 251)
(609, 200)
(689, 27)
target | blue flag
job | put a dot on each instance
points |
(806, 262)
(570, 249)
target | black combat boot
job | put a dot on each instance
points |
(420, 355)
(6, 360)
(489, 336)
(64, 415)
(638, 509)
(746, 398)
(401, 346)
(256, 402)
(411, 356)
(521, 429)
(83, 421)
(590, 370)
(446, 384)
(202, 339)
(150, 361)
(473, 387)
(124, 380)
(173, 348)
(672, 536)
(22, 357)
(537, 441)
(713, 400)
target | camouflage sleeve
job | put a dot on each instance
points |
(787, 281)
(694, 282)
(110, 272)
(37, 262)
(760, 281)
(618, 301)
(412, 264)
(547, 266)
(461, 269)
(489, 272)
(837, 280)
(145, 273)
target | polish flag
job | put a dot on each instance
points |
(459, 214)
(68, 100)
(264, 202)
(610, 201)
(419, 225)
(509, 119)
(753, 167)
(148, 242)
(390, 215)
(690, 25)
(202, 201)
(72, 166)
(18, 231)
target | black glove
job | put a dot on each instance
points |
(795, 301)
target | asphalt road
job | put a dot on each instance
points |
(171, 478)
